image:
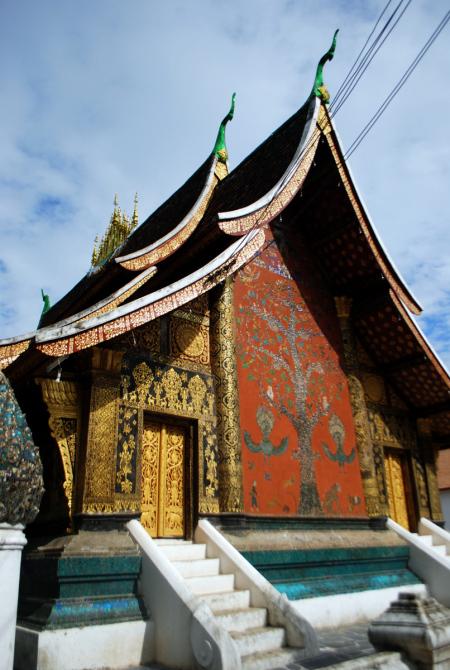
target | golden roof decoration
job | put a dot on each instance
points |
(119, 228)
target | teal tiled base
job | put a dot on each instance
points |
(324, 572)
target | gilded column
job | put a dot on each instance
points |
(102, 434)
(226, 388)
(63, 404)
(359, 408)
(429, 453)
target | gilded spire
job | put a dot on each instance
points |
(134, 220)
(220, 149)
(115, 235)
(319, 89)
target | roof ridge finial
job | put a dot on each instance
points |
(220, 149)
(319, 89)
(46, 299)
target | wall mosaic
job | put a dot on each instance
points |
(298, 438)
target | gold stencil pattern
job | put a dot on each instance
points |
(62, 401)
(9, 352)
(226, 387)
(397, 499)
(123, 324)
(189, 340)
(64, 430)
(101, 449)
(182, 393)
(359, 409)
(162, 507)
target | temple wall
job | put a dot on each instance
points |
(299, 454)
(395, 433)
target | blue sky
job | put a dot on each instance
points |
(106, 96)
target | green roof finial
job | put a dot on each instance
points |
(319, 89)
(46, 300)
(220, 149)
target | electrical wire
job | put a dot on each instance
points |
(372, 53)
(399, 85)
(350, 79)
(350, 72)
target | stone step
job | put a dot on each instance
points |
(242, 619)
(201, 568)
(266, 660)
(184, 552)
(253, 640)
(218, 602)
(213, 584)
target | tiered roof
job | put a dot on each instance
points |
(216, 222)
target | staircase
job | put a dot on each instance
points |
(429, 556)
(259, 645)
(434, 537)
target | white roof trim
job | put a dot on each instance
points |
(57, 331)
(310, 126)
(183, 223)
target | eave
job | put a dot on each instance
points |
(165, 246)
(262, 211)
(63, 341)
(12, 348)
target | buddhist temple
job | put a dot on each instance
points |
(245, 355)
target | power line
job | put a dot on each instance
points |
(346, 78)
(368, 126)
(369, 57)
(401, 82)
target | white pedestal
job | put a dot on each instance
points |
(12, 541)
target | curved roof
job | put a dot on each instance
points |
(166, 245)
(299, 172)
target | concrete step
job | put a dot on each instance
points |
(184, 552)
(426, 539)
(242, 619)
(218, 602)
(440, 549)
(254, 640)
(162, 541)
(266, 660)
(201, 568)
(213, 584)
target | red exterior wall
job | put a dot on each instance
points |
(298, 443)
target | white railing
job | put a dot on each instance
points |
(281, 612)
(424, 561)
(439, 535)
(186, 635)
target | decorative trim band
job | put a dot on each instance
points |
(134, 314)
(11, 348)
(167, 245)
(264, 210)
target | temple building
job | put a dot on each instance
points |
(247, 355)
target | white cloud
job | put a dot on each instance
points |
(112, 96)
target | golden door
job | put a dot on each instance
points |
(163, 494)
(397, 483)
